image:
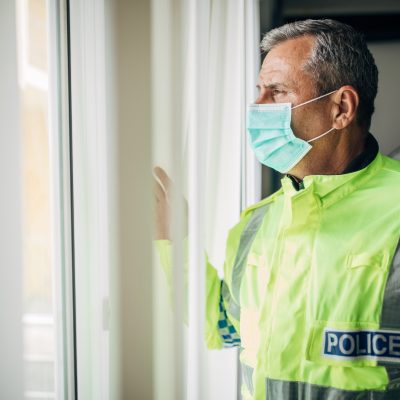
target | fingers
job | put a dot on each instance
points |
(159, 191)
(163, 177)
(159, 188)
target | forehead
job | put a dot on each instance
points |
(284, 63)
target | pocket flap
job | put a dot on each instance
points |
(376, 260)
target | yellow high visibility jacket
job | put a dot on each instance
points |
(311, 289)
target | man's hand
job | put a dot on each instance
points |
(163, 192)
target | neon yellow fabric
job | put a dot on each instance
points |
(320, 259)
(324, 254)
(212, 337)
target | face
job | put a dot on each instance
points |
(282, 79)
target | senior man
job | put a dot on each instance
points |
(311, 288)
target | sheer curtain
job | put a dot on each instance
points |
(205, 62)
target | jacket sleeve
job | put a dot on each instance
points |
(222, 327)
(219, 330)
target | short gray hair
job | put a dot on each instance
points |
(340, 56)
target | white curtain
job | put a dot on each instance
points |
(205, 62)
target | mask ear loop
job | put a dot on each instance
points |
(320, 136)
(317, 98)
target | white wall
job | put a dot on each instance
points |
(135, 197)
(386, 120)
(128, 116)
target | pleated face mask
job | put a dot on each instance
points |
(272, 138)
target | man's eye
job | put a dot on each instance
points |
(277, 92)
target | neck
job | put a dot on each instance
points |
(332, 155)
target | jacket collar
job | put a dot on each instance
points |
(358, 170)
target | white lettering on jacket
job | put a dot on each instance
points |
(354, 344)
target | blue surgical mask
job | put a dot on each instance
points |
(272, 138)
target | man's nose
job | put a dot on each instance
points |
(262, 100)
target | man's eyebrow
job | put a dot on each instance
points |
(272, 85)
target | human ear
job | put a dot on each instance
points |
(344, 110)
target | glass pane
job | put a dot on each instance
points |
(39, 327)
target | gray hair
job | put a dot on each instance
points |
(340, 56)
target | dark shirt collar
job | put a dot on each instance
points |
(361, 161)
(366, 157)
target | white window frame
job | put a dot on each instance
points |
(61, 201)
(11, 382)
(91, 149)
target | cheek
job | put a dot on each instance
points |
(307, 124)
(303, 124)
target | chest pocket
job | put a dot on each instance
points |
(355, 293)
(367, 260)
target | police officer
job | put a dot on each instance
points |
(311, 288)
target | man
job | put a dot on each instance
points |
(311, 288)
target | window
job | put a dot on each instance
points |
(46, 248)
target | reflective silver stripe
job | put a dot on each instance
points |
(285, 390)
(393, 375)
(246, 240)
(232, 307)
(247, 374)
(226, 330)
(390, 315)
